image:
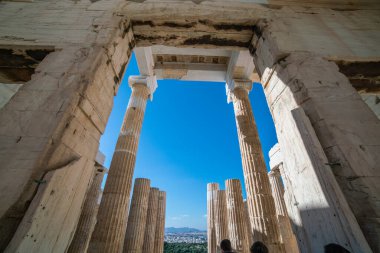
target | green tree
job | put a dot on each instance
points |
(185, 247)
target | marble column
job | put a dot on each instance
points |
(287, 236)
(212, 188)
(160, 226)
(151, 221)
(87, 218)
(260, 202)
(134, 235)
(237, 228)
(110, 229)
(248, 222)
(221, 221)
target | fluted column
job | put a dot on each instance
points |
(160, 226)
(110, 229)
(287, 236)
(134, 235)
(87, 218)
(248, 223)
(221, 219)
(277, 191)
(260, 202)
(212, 188)
(151, 221)
(237, 227)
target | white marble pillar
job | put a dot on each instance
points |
(134, 236)
(87, 219)
(160, 226)
(260, 202)
(212, 188)
(237, 227)
(248, 222)
(287, 236)
(151, 221)
(110, 229)
(221, 218)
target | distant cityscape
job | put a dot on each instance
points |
(185, 235)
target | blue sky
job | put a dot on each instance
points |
(188, 139)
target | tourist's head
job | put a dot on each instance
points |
(225, 245)
(259, 247)
(335, 248)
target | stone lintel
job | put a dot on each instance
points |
(148, 81)
(145, 62)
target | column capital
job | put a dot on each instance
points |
(275, 156)
(101, 168)
(245, 84)
(149, 81)
(274, 172)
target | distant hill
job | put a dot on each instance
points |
(182, 230)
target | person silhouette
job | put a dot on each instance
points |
(226, 247)
(259, 247)
(335, 248)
